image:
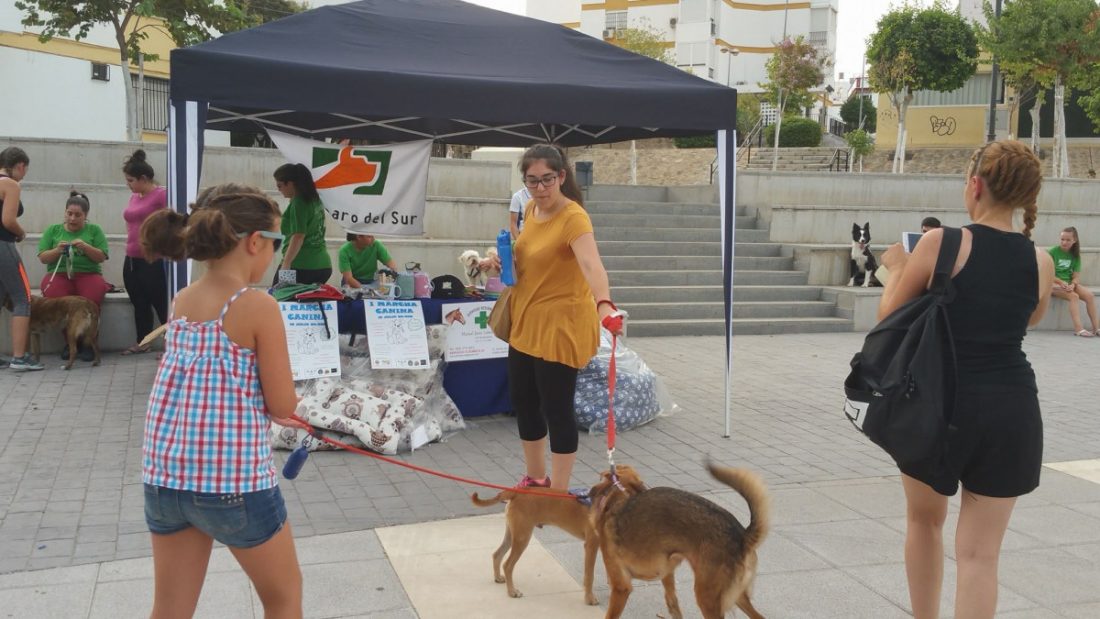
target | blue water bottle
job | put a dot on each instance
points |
(504, 250)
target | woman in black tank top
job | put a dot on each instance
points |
(1002, 286)
(14, 285)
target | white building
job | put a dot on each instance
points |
(70, 89)
(699, 30)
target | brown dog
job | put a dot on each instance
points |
(647, 534)
(77, 316)
(527, 511)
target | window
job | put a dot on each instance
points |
(615, 19)
(155, 114)
(101, 72)
(819, 38)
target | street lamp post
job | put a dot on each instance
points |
(733, 52)
(996, 77)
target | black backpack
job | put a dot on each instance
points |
(448, 287)
(901, 391)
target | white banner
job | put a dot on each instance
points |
(396, 335)
(366, 189)
(314, 349)
(468, 333)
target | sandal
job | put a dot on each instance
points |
(136, 349)
(1084, 333)
(529, 482)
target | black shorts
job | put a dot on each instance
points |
(997, 450)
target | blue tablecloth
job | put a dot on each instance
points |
(477, 387)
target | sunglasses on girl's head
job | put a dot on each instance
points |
(276, 238)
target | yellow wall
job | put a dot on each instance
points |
(960, 125)
(158, 42)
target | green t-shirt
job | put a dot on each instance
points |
(1065, 265)
(363, 263)
(308, 218)
(90, 234)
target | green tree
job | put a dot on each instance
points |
(793, 70)
(645, 40)
(855, 117)
(860, 145)
(1048, 43)
(915, 49)
(186, 21)
(748, 114)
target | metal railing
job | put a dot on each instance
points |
(745, 149)
(839, 160)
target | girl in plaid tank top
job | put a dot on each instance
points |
(207, 466)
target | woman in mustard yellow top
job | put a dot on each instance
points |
(560, 297)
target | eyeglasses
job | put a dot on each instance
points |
(546, 181)
(276, 238)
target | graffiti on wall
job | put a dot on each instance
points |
(943, 126)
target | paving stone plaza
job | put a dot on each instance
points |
(381, 541)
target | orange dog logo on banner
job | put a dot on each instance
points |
(355, 166)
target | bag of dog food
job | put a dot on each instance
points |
(640, 397)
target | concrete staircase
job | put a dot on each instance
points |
(663, 256)
(790, 159)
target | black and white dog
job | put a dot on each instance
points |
(862, 261)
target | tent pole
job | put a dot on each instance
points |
(186, 120)
(727, 171)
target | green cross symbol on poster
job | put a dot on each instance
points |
(482, 319)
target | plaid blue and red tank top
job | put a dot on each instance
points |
(206, 429)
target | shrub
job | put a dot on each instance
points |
(849, 113)
(698, 141)
(796, 131)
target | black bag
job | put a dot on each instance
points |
(901, 391)
(448, 287)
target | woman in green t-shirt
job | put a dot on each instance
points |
(1067, 272)
(303, 225)
(72, 252)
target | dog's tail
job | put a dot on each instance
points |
(750, 486)
(503, 496)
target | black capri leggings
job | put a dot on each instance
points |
(147, 286)
(542, 397)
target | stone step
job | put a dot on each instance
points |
(648, 220)
(746, 263)
(740, 326)
(741, 309)
(746, 235)
(702, 278)
(658, 234)
(657, 248)
(756, 249)
(642, 193)
(662, 208)
(713, 293)
(700, 235)
(629, 193)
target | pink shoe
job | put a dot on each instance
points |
(529, 482)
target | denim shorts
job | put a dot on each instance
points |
(236, 520)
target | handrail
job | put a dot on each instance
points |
(835, 164)
(746, 146)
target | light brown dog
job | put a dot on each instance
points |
(77, 316)
(527, 511)
(647, 534)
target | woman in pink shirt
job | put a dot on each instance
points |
(146, 281)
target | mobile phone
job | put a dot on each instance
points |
(909, 240)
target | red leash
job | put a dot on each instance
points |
(363, 452)
(609, 322)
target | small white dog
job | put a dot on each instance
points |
(472, 261)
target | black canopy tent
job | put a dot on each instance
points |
(439, 69)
